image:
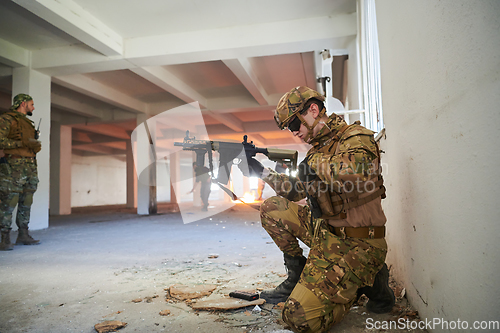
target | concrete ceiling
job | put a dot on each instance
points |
(112, 60)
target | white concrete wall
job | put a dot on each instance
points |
(440, 64)
(98, 180)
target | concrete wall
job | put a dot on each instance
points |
(98, 180)
(440, 63)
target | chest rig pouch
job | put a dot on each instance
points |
(335, 199)
(20, 124)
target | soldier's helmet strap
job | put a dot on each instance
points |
(310, 129)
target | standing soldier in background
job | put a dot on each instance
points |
(202, 176)
(343, 223)
(18, 169)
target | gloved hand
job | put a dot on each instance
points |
(33, 144)
(306, 173)
(254, 168)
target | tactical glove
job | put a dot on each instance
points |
(252, 168)
(33, 144)
(306, 173)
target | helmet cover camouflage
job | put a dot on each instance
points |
(292, 103)
(18, 99)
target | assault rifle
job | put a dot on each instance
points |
(228, 151)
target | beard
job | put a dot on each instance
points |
(29, 113)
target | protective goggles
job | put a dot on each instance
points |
(294, 124)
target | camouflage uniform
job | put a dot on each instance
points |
(337, 265)
(18, 169)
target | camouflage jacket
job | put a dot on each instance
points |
(11, 122)
(344, 157)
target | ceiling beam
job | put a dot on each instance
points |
(95, 149)
(71, 18)
(80, 136)
(105, 129)
(122, 145)
(243, 70)
(334, 32)
(95, 138)
(75, 59)
(76, 107)
(13, 55)
(226, 43)
(228, 120)
(169, 82)
(85, 85)
(248, 127)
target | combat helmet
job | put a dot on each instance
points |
(292, 104)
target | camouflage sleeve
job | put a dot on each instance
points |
(356, 164)
(6, 143)
(285, 186)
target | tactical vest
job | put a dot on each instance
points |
(335, 199)
(27, 129)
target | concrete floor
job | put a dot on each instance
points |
(90, 266)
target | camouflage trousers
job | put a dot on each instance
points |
(335, 269)
(18, 183)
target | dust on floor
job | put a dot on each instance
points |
(92, 268)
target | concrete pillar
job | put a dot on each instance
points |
(145, 154)
(37, 85)
(60, 169)
(131, 178)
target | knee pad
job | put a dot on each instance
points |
(28, 199)
(303, 311)
(12, 202)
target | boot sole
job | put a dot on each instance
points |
(274, 299)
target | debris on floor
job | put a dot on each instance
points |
(164, 312)
(149, 299)
(112, 314)
(225, 304)
(182, 292)
(266, 319)
(179, 272)
(109, 326)
(404, 312)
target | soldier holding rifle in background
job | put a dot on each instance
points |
(18, 169)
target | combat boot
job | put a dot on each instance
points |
(294, 267)
(6, 245)
(380, 297)
(23, 238)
